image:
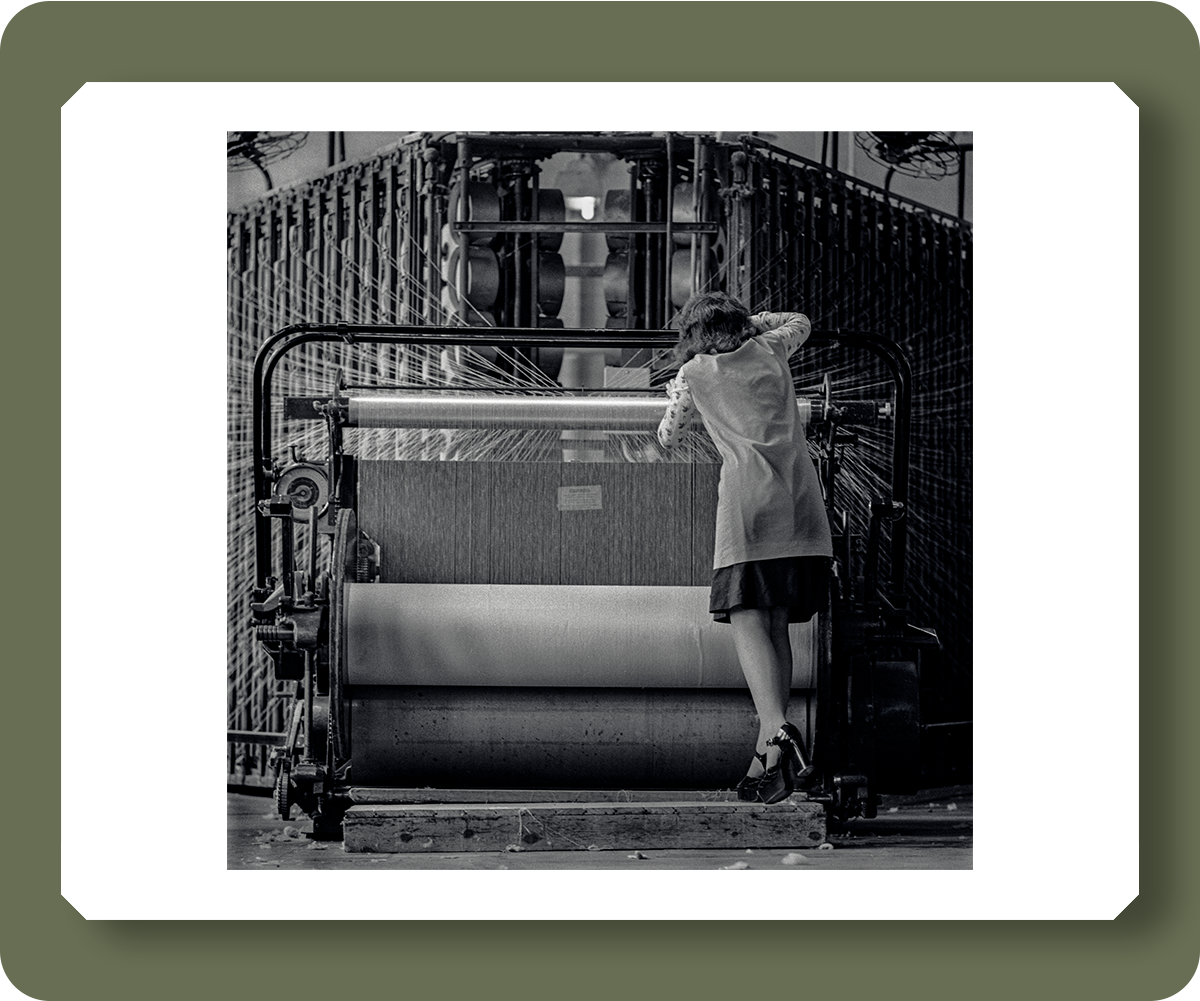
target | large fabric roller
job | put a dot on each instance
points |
(556, 738)
(567, 636)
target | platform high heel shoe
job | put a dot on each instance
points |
(747, 789)
(793, 771)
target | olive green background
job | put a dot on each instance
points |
(1150, 50)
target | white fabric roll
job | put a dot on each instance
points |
(546, 635)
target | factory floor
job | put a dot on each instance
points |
(931, 830)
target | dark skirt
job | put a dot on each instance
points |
(798, 583)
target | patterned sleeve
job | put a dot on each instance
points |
(680, 410)
(785, 330)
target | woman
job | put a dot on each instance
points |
(772, 552)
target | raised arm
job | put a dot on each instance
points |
(791, 329)
(680, 409)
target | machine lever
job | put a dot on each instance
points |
(269, 604)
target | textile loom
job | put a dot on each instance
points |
(531, 622)
(470, 565)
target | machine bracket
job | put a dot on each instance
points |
(268, 604)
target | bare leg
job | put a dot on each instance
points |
(768, 675)
(782, 641)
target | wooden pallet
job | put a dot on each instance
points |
(604, 824)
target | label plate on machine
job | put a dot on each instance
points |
(579, 498)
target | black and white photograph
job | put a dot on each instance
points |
(600, 509)
(600, 500)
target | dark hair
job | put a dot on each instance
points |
(712, 321)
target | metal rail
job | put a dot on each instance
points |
(514, 226)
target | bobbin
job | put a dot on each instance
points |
(616, 209)
(552, 283)
(482, 283)
(616, 284)
(482, 205)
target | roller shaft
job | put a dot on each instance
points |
(425, 410)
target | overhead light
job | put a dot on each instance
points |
(585, 205)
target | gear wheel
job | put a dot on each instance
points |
(283, 792)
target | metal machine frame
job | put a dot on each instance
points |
(868, 713)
